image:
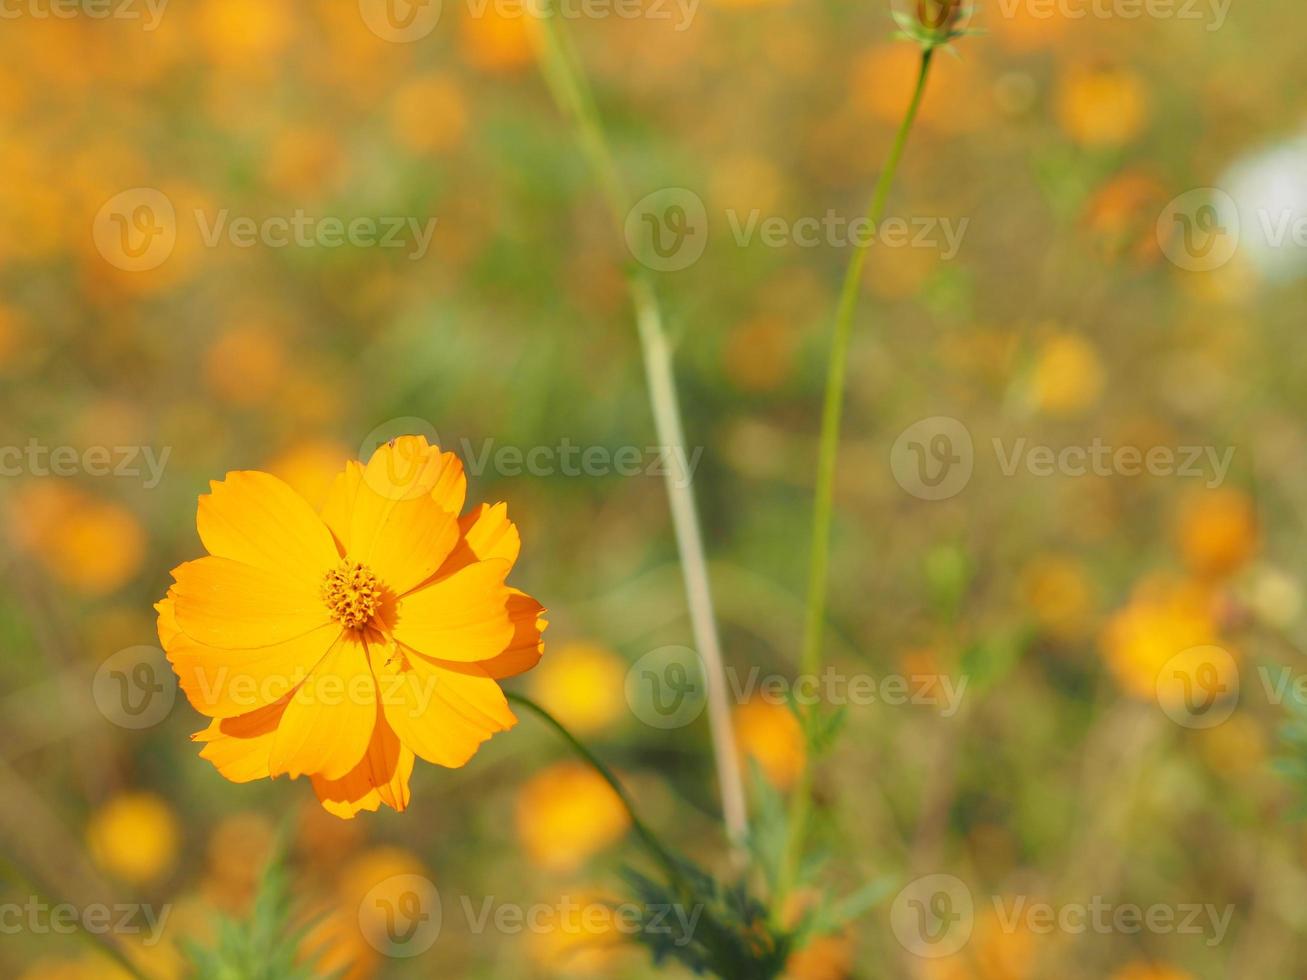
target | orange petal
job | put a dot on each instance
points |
(239, 747)
(410, 467)
(442, 714)
(339, 505)
(256, 519)
(381, 776)
(402, 541)
(487, 533)
(228, 683)
(463, 616)
(223, 603)
(330, 719)
(527, 646)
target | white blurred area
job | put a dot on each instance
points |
(1269, 191)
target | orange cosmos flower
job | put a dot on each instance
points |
(341, 645)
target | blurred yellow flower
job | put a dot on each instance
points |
(1236, 747)
(310, 468)
(246, 364)
(498, 37)
(429, 114)
(1217, 532)
(582, 685)
(1059, 594)
(1121, 217)
(238, 851)
(1163, 619)
(582, 939)
(370, 886)
(885, 75)
(377, 868)
(342, 645)
(823, 958)
(1026, 26)
(302, 159)
(1101, 106)
(94, 546)
(770, 735)
(1067, 377)
(134, 837)
(995, 952)
(566, 814)
(759, 353)
(245, 33)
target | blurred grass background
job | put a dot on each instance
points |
(1060, 321)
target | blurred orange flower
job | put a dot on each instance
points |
(134, 837)
(1163, 619)
(89, 544)
(1217, 532)
(567, 813)
(1101, 106)
(499, 37)
(1067, 377)
(770, 734)
(340, 646)
(582, 685)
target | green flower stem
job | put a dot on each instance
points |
(647, 837)
(11, 869)
(824, 498)
(566, 81)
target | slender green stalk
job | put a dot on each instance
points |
(824, 498)
(650, 840)
(566, 81)
(11, 869)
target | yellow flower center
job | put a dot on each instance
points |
(352, 593)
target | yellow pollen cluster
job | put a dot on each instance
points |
(352, 593)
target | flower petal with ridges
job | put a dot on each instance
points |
(382, 776)
(222, 603)
(329, 720)
(239, 747)
(442, 714)
(463, 616)
(256, 519)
